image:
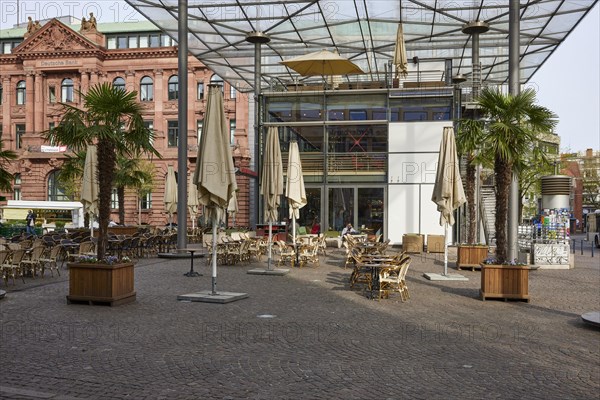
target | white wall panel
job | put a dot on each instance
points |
(412, 167)
(403, 211)
(411, 137)
(430, 217)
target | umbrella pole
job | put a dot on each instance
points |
(294, 236)
(445, 249)
(214, 255)
(270, 245)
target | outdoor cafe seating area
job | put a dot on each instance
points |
(375, 271)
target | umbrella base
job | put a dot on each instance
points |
(441, 277)
(592, 318)
(208, 297)
(263, 271)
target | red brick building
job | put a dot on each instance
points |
(44, 66)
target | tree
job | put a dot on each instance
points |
(6, 178)
(111, 118)
(469, 136)
(129, 174)
(514, 122)
(71, 174)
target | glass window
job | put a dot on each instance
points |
(21, 93)
(67, 90)
(295, 108)
(17, 179)
(146, 201)
(199, 125)
(1, 94)
(146, 89)
(217, 80)
(119, 83)
(52, 94)
(232, 92)
(166, 41)
(143, 41)
(114, 198)
(200, 90)
(366, 107)
(148, 124)
(133, 42)
(7, 48)
(112, 43)
(232, 130)
(19, 132)
(51, 126)
(17, 194)
(55, 190)
(172, 133)
(121, 42)
(154, 40)
(173, 87)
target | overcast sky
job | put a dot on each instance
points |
(568, 83)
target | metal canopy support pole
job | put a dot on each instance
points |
(182, 142)
(257, 38)
(514, 89)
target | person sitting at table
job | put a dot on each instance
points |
(316, 227)
(348, 230)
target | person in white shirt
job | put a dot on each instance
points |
(348, 230)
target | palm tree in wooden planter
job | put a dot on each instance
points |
(110, 118)
(514, 123)
(469, 141)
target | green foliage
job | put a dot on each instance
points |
(111, 118)
(6, 178)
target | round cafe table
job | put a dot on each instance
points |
(191, 272)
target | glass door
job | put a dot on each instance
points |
(370, 210)
(340, 208)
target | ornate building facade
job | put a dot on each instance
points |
(45, 65)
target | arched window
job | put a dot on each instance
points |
(21, 93)
(146, 89)
(119, 83)
(1, 94)
(216, 80)
(17, 187)
(173, 87)
(67, 90)
(56, 192)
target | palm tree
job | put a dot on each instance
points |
(6, 178)
(111, 118)
(129, 174)
(469, 136)
(514, 123)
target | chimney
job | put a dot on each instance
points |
(589, 153)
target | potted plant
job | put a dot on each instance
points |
(469, 140)
(111, 119)
(504, 280)
(514, 123)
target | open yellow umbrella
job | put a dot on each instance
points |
(322, 63)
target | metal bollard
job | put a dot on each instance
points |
(582, 247)
(573, 243)
(593, 244)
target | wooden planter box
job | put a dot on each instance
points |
(435, 243)
(504, 282)
(101, 284)
(471, 256)
(412, 243)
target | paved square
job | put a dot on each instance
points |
(305, 335)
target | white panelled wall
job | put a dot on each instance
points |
(413, 155)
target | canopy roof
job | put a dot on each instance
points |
(364, 31)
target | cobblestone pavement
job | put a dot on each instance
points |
(303, 336)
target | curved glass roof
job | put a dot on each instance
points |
(364, 31)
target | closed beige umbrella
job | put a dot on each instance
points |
(322, 63)
(400, 59)
(171, 193)
(294, 190)
(271, 182)
(215, 175)
(192, 201)
(90, 188)
(232, 207)
(448, 191)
